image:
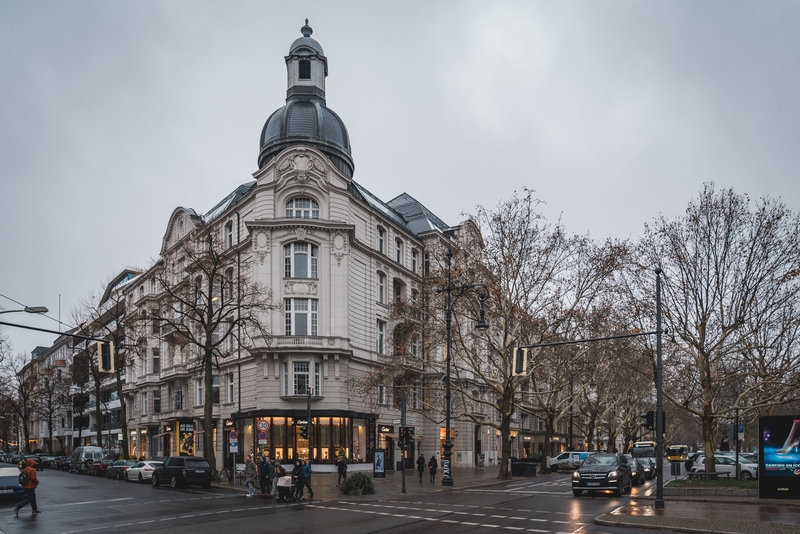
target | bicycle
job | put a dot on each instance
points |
(226, 474)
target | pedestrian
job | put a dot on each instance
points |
(299, 479)
(28, 474)
(277, 472)
(265, 473)
(250, 474)
(421, 466)
(307, 475)
(433, 465)
(341, 466)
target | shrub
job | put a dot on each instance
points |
(357, 484)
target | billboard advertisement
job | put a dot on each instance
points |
(779, 457)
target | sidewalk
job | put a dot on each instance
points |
(324, 484)
(743, 515)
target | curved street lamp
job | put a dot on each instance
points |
(28, 309)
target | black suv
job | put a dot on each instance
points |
(183, 471)
(602, 471)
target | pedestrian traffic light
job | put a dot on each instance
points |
(520, 362)
(304, 432)
(402, 442)
(105, 356)
(649, 420)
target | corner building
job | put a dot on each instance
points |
(334, 257)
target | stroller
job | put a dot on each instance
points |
(285, 489)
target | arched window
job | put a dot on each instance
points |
(302, 208)
(300, 260)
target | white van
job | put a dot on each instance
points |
(80, 457)
(567, 460)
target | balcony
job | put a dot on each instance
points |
(311, 342)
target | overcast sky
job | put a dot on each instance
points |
(112, 114)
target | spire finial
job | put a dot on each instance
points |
(306, 30)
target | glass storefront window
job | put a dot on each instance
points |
(359, 440)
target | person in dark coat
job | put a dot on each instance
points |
(265, 474)
(299, 479)
(433, 465)
(341, 466)
(421, 465)
(29, 487)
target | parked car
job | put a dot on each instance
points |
(118, 468)
(649, 465)
(637, 470)
(603, 471)
(183, 471)
(99, 467)
(82, 455)
(725, 464)
(61, 463)
(567, 460)
(47, 461)
(9, 482)
(141, 471)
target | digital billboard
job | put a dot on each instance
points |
(779, 457)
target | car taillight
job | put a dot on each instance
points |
(148, 468)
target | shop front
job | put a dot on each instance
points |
(280, 434)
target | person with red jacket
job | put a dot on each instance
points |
(29, 487)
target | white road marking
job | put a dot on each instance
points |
(93, 502)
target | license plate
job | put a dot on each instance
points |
(592, 483)
(6, 491)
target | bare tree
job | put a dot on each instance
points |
(207, 303)
(52, 399)
(731, 286)
(18, 389)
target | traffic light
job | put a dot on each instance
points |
(403, 438)
(105, 356)
(304, 432)
(520, 362)
(649, 420)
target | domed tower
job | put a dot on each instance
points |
(305, 119)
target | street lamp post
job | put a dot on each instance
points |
(447, 477)
(28, 309)
(659, 503)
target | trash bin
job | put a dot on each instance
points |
(517, 469)
(675, 469)
(530, 469)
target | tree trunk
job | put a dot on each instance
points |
(208, 413)
(708, 440)
(98, 416)
(549, 431)
(123, 416)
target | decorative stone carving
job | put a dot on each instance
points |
(300, 233)
(261, 244)
(339, 245)
(296, 287)
(304, 169)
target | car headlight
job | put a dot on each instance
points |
(613, 474)
(576, 475)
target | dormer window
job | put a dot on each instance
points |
(305, 69)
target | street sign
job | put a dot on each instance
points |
(263, 425)
(233, 435)
(234, 446)
(409, 421)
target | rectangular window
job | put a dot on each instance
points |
(178, 398)
(381, 288)
(301, 317)
(215, 390)
(157, 401)
(382, 395)
(317, 382)
(229, 234)
(380, 338)
(414, 260)
(156, 361)
(380, 242)
(144, 403)
(230, 396)
(300, 377)
(414, 345)
(305, 69)
(285, 367)
(201, 399)
(427, 263)
(398, 252)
